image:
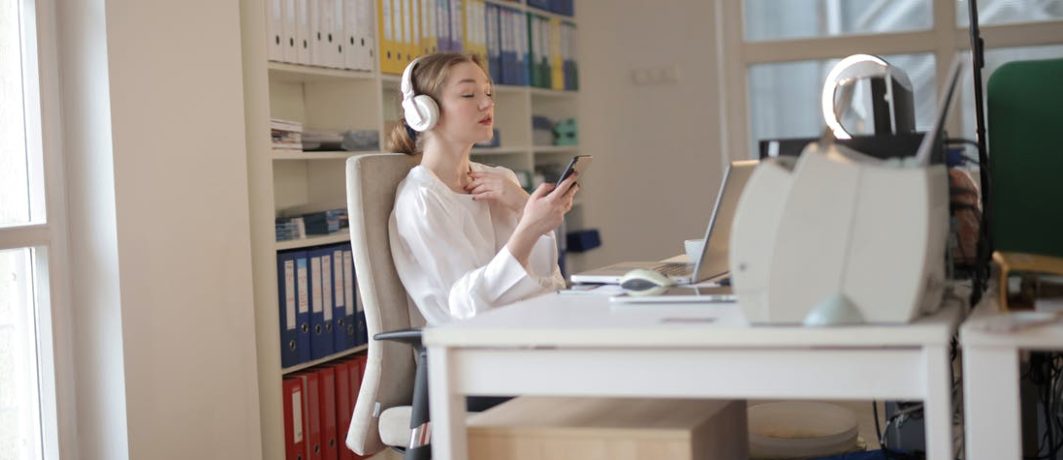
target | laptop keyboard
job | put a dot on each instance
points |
(674, 269)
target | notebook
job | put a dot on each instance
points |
(713, 261)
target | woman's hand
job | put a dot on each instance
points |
(543, 213)
(495, 186)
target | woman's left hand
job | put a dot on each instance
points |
(496, 186)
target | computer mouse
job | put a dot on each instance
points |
(641, 281)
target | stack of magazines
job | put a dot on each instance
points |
(286, 135)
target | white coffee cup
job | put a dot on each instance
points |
(693, 248)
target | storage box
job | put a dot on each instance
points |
(547, 428)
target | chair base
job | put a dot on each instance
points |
(419, 453)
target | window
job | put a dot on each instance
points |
(28, 238)
(767, 20)
(778, 52)
(1000, 12)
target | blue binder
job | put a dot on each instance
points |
(361, 337)
(443, 25)
(457, 26)
(288, 307)
(540, 4)
(320, 305)
(494, 44)
(524, 53)
(302, 303)
(343, 334)
(515, 30)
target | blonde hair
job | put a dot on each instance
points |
(429, 77)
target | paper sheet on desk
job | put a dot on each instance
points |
(681, 295)
(1016, 321)
(593, 289)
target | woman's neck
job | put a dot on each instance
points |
(450, 164)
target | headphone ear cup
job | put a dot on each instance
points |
(421, 112)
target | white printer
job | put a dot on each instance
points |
(838, 237)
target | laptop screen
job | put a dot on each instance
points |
(714, 256)
(934, 134)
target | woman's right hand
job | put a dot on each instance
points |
(544, 212)
(546, 207)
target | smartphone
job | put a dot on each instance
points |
(578, 164)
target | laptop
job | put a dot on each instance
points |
(713, 261)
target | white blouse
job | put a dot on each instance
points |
(450, 251)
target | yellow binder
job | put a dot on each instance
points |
(385, 36)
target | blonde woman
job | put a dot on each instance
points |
(466, 237)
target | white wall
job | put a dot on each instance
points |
(657, 150)
(159, 222)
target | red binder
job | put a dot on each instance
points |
(312, 415)
(327, 386)
(294, 421)
(344, 408)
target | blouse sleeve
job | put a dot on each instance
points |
(436, 263)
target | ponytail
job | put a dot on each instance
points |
(401, 141)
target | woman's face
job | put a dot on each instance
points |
(467, 107)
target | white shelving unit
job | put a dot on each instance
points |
(333, 99)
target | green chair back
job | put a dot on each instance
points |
(1025, 122)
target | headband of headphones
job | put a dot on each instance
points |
(406, 87)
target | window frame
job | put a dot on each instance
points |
(943, 41)
(47, 237)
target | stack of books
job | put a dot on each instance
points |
(286, 135)
(290, 228)
(325, 222)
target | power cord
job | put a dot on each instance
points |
(1046, 372)
(963, 158)
(914, 410)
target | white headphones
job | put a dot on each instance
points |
(420, 110)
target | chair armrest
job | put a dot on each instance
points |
(410, 336)
(420, 447)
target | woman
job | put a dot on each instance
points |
(466, 237)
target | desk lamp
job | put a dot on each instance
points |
(891, 95)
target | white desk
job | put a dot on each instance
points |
(991, 381)
(567, 345)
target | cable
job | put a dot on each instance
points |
(960, 140)
(1048, 418)
(1046, 372)
(985, 242)
(878, 429)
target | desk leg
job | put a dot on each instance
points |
(991, 403)
(447, 405)
(937, 407)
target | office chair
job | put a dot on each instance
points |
(1024, 106)
(392, 406)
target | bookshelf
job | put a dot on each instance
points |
(336, 99)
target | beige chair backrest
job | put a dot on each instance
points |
(390, 368)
